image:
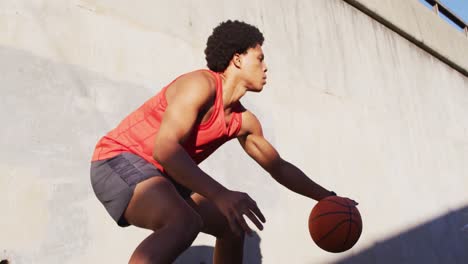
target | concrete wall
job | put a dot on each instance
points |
(360, 109)
(423, 28)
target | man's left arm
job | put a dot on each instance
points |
(265, 155)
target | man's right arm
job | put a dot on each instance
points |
(182, 111)
(178, 120)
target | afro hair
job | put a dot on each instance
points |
(227, 39)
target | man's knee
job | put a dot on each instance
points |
(185, 222)
(188, 219)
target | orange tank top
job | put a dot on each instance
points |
(136, 133)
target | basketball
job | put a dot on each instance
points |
(335, 224)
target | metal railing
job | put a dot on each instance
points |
(438, 7)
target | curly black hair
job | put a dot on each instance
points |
(227, 39)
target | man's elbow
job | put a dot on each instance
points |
(163, 150)
(158, 156)
(275, 168)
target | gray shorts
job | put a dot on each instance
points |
(114, 181)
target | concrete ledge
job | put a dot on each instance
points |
(419, 25)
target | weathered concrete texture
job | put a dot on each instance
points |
(423, 27)
(360, 109)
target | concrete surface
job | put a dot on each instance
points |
(422, 27)
(360, 109)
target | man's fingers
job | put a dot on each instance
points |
(254, 220)
(241, 221)
(253, 206)
(352, 201)
(238, 206)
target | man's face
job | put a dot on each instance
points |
(254, 68)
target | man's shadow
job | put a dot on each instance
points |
(204, 254)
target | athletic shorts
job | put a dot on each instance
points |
(114, 181)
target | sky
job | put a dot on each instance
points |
(459, 7)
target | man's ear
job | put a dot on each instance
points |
(237, 60)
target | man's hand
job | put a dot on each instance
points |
(351, 201)
(234, 205)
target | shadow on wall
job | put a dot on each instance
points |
(442, 240)
(204, 254)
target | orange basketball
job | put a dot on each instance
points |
(335, 224)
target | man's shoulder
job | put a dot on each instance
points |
(201, 78)
(196, 84)
(250, 123)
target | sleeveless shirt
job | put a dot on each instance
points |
(136, 132)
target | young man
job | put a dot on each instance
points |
(145, 170)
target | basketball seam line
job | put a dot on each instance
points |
(355, 222)
(333, 230)
(349, 227)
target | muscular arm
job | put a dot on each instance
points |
(178, 120)
(190, 96)
(265, 155)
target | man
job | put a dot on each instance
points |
(145, 170)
